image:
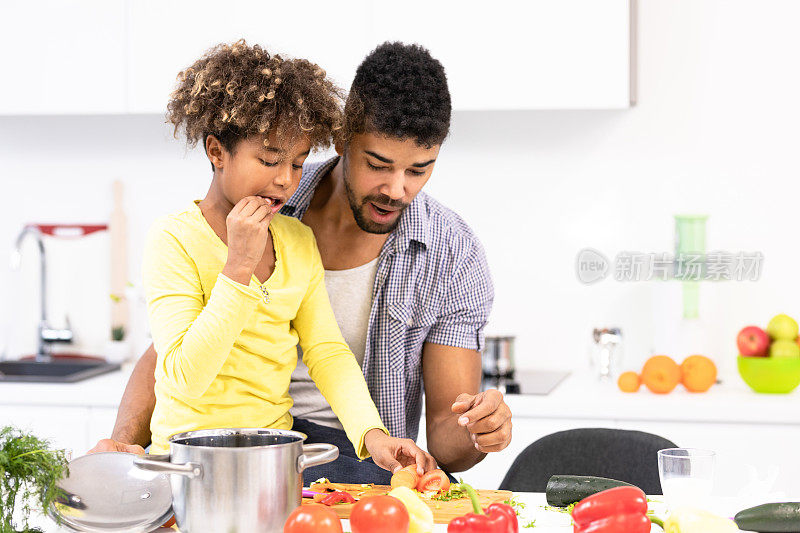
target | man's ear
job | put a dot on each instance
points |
(215, 151)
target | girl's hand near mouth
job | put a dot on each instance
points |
(392, 453)
(248, 233)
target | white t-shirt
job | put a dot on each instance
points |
(350, 293)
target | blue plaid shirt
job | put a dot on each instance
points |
(433, 285)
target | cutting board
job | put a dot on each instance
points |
(443, 512)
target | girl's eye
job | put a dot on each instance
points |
(267, 163)
(373, 167)
(416, 172)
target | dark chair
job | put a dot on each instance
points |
(628, 456)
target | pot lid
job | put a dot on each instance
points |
(106, 492)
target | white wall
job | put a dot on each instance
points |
(715, 131)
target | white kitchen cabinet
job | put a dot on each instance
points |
(63, 57)
(122, 56)
(64, 427)
(506, 54)
(166, 37)
(543, 54)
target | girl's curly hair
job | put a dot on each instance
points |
(235, 91)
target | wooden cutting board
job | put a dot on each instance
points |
(443, 512)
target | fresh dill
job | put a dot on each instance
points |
(29, 471)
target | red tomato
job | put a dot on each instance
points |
(379, 513)
(312, 519)
(433, 480)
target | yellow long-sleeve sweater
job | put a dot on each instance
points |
(225, 354)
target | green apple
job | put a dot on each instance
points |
(782, 328)
(784, 348)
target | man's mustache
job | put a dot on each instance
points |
(382, 199)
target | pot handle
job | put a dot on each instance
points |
(160, 463)
(316, 454)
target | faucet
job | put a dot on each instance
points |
(47, 335)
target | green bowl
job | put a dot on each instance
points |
(769, 374)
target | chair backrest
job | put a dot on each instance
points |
(624, 455)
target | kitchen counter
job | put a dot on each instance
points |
(101, 391)
(581, 396)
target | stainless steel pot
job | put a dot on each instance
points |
(236, 480)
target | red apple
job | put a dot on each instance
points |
(753, 342)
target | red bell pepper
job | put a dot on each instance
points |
(497, 518)
(617, 510)
(337, 497)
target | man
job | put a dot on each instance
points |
(407, 279)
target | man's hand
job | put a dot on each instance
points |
(487, 418)
(108, 445)
(392, 454)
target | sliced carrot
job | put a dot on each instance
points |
(405, 478)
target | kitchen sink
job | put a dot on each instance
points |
(54, 371)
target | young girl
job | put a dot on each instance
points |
(232, 287)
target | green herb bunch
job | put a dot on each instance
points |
(29, 471)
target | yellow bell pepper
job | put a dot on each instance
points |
(696, 521)
(419, 514)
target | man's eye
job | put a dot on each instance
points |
(373, 167)
(297, 167)
(267, 163)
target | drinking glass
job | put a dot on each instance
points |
(687, 476)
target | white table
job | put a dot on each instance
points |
(547, 521)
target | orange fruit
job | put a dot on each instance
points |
(629, 382)
(699, 373)
(661, 374)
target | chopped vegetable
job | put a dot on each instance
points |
(420, 515)
(333, 498)
(324, 484)
(612, 511)
(435, 480)
(497, 518)
(455, 493)
(406, 477)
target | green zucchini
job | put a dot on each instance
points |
(563, 491)
(770, 518)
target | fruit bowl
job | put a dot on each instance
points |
(770, 374)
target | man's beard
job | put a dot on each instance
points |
(359, 208)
